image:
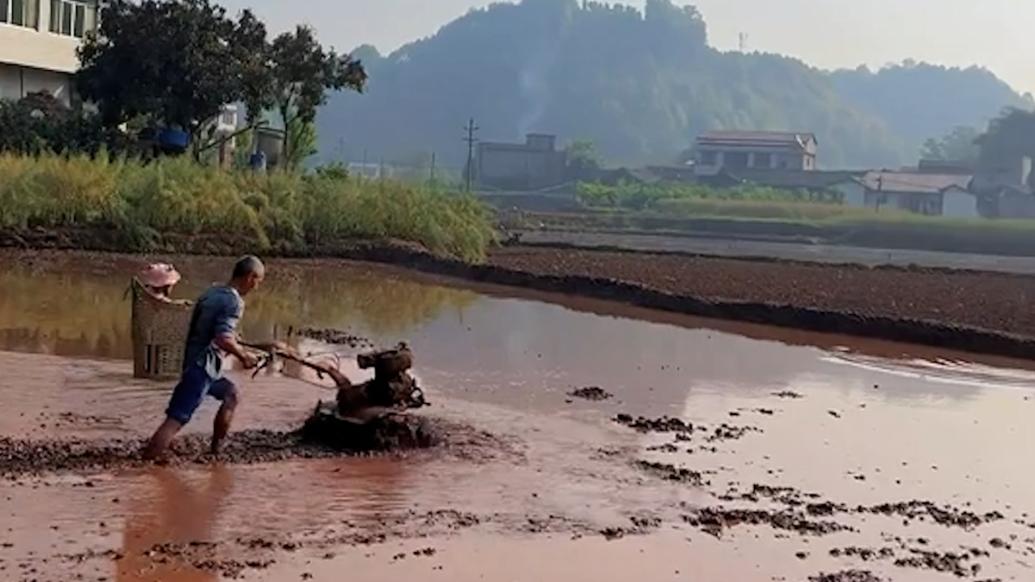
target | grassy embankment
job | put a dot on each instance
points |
(280, 213)
(762, 210)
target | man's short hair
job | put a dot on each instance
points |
(247, 265)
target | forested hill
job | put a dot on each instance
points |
(640, 85)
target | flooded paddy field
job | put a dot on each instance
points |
(582, 440)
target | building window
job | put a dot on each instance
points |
(763, 160)
(738, 160)
(709, 158)
(69, 18)
(20, 12)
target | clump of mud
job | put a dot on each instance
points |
(336, 337)
(684, 430)
(728, 432)
(947, 516)
(789, 394)
(957, 563)
(847, 576)
(714, 520)
(864, 554)
(663, 424)
(672, 473)
(594, 393)
(785, 495)
(641, 525)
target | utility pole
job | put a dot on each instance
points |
(743, 42)
(431, 177)
(471, 140)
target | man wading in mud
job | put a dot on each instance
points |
(212, 335)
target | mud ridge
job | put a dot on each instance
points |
(25, 458)
(902, 329)
(715, 520)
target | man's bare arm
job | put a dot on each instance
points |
(229, 344)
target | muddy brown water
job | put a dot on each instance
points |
(542, 486)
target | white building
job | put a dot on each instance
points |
(920, 193)
(754, 150)
(38, 41)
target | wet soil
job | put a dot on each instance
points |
(672, 487)
(948, 297)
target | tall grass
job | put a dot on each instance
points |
(281, 212)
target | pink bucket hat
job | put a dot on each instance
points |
(159, 275)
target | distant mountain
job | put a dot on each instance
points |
(921, 101)
(640, 85)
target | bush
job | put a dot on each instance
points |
(282, 211)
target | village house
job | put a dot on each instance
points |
(38, 41)
(533, 165)
(912, 191)
(754, 150)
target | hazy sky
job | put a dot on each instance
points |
(827, 33)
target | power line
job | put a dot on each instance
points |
(471, 140)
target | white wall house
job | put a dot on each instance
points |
(38, 41)
(921, 193)
(959, 203)
(754, 150)
(853, 193)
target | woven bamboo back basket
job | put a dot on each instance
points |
(159, 334)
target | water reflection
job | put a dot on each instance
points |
(172, 510)
(75, 305)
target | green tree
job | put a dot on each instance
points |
(175, 62)
(958, 145)
(301, 73)
(40, 123)
(583, 159)
(1011, 134)
(302, 135)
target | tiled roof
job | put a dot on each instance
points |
(756, 138)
